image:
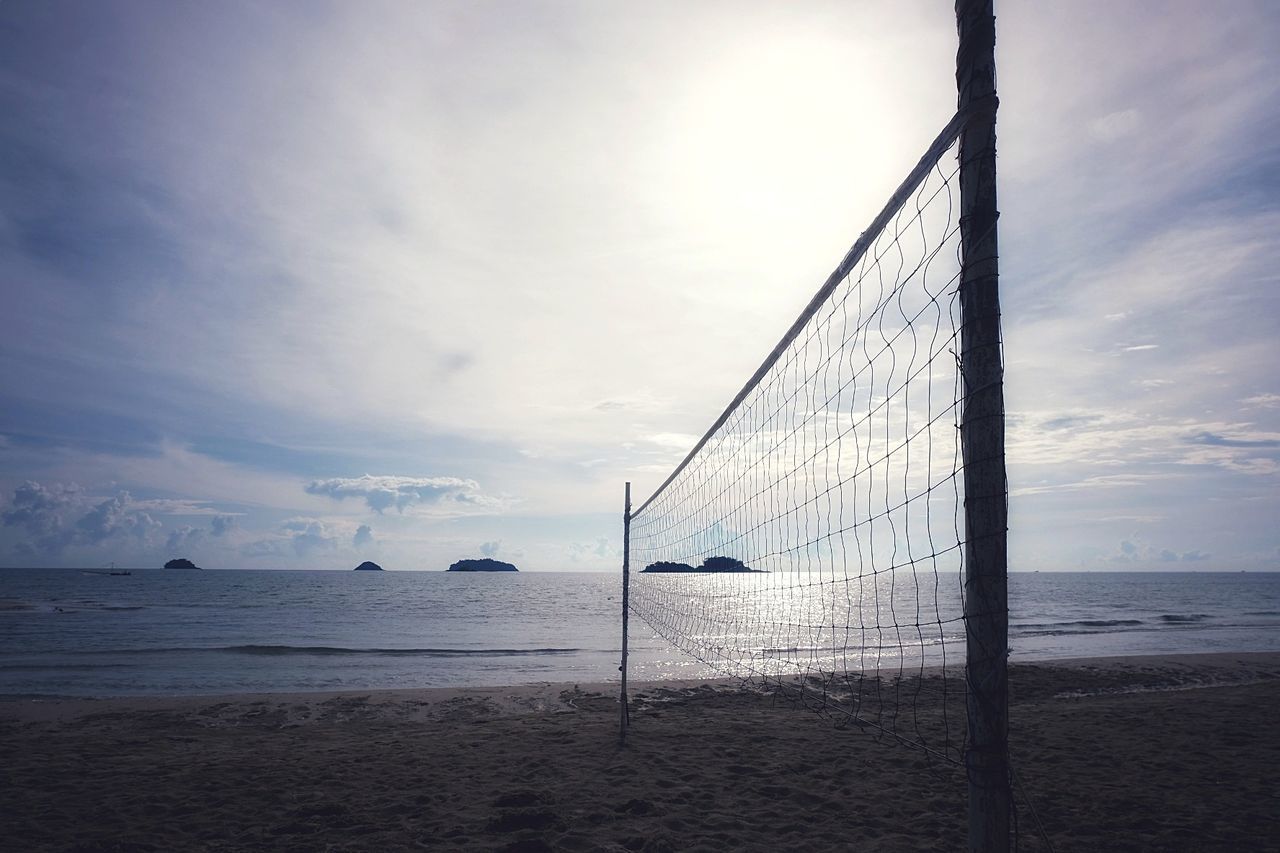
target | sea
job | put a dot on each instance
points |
(68, 632)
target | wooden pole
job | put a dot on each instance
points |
(626, 594)
(986, 610)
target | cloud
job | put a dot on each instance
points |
(1215, 440)
(63, 515)
(639, 401)
(260, 548)
(1093, 485)
(40, 510)
(383, 493)
(188, 538)
(309, 535)
(490, 549)
(1263, 401)
(1137, 552)
(600, 549)
(1116, 125)
(184, 539)
(303, 538)
(172, 506)
(114, 517)
(1071, 421)
(1128, 437)
(674, 440)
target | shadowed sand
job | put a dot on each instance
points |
(1171, 753)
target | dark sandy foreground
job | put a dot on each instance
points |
(1176, 753)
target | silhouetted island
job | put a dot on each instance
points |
(181, 563)
(367, 566)
(711, 565)
(482, 565)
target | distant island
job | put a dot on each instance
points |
(711, 565)
(367, 566)
(181, 563)
(482, 565)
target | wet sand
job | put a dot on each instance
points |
(1171, 753)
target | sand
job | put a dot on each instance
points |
(1170, 754)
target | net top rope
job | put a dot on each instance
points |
(977, 108)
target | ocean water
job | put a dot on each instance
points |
(73, 633)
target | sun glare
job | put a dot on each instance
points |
(763, 131)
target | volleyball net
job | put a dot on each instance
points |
(813, 539)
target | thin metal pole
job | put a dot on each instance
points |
(986, 608)
(626, 601)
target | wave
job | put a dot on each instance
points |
(854, 650)
(1164, 621)
(280, 650)
(1102, 623)
(45, 667)
(340, 650)
(57, 605)
(1080, 623)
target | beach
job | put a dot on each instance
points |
(1147, 753)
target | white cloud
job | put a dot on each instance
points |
(308, 542)
(63, 516)
(1117, 125)
(450, 494)
(183, 540)
(674, 440)
(174, 506)
(309, 535)
(1263, 401)
(177, 469)
(599, 552)
(1136, 552)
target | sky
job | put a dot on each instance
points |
(300, 284)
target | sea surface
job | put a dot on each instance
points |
(66, 632)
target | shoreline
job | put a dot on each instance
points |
(1178, 671)
(1170, 752)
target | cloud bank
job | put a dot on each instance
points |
(385, 492)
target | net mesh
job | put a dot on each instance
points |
(812, 541)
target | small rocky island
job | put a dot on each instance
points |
(482, 565)
(711, 565)
(181, 563)
(367, 566)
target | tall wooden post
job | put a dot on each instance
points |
(982, 439)
(626, 609)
